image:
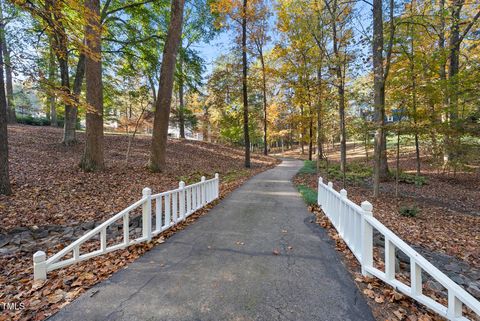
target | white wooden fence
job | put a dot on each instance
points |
(355, 224)
(171, 207)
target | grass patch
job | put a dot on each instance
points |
(309, 167)
(308, 194)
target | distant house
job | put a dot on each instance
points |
(392, 116)
(174, 132)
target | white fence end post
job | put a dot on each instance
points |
(343, 193)
(367, 238)
(39, 266)
(147, 214)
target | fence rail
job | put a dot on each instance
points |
(171, 208)
(355, 224)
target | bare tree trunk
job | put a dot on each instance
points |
(205, 125)
(8, 69)
(379, 94)
(264, 89)
(414, 92)
(69, 134)
(343, 140)
(341, 92)
(302, 130)
(5, 188)
(93, 158)
(164, 98)
(51, 96)
(181, 107)
(319, 116)
(244, 85)
(310, 134)
(454, 55)
(397, 174)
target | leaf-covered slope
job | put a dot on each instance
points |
(50, 188)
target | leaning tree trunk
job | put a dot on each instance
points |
(4, 173)
(244, 86)
(8, 69)
(93, 159)
(164, 98)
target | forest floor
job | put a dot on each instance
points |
(49, 187)
(444, 226)
(54, 202)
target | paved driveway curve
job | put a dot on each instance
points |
(223, 267)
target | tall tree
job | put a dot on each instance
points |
(164, 97)
(339, 16)
(93, 159)
(456, 38)
(244, 84)
(8, 66)
(259, 37)
(380, 74)
(4, 172)
(52, 68)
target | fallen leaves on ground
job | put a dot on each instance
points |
(49, 188)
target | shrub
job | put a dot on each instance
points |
(409, 210)
(34, 121)
(356, 172)
(412, 179)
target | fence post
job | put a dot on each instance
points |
(217, 185)
(320, 182)
(367, 238)
(202, 191)
(181, 186)
(39, 266)
(147, 214)
(329, 203)
(342, 218)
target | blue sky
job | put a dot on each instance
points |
(210, 51)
